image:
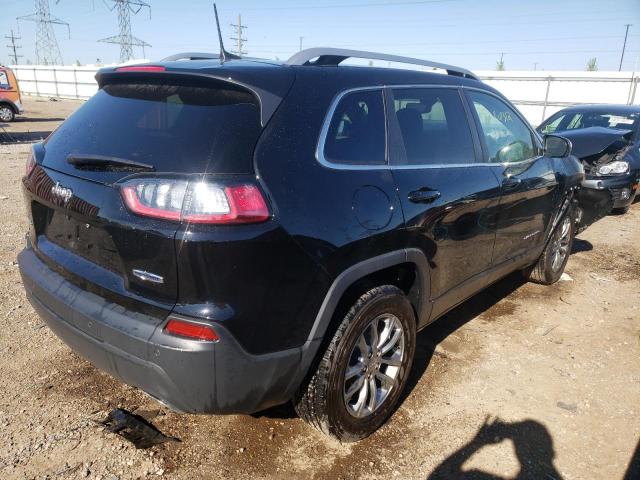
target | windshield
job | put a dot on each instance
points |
(585, 119)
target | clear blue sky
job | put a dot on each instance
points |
(555, 34)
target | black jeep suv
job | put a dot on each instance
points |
(228, 236)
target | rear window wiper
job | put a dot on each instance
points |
(104, 162)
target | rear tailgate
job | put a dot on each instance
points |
(80, 224)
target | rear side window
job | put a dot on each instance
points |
(434, 127)
(507, 137)
(181, 127)
(356, 134)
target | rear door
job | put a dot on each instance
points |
(8, 86)
(530, 188)
(80, 224)
(448, 195)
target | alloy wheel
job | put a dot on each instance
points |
(374, 365)
(560, 248)
(5, 114)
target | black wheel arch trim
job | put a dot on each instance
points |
(367, 267)
(421, 302)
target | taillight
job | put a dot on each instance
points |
(195, 331)
(31, 163)
(195, 202)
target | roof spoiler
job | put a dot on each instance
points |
(268, 101)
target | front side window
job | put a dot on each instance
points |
(507, 137)
(434, 127)
(356, 134)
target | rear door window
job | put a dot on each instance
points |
(356, 134)
(434, 127)
(180, 127)
(507, 137)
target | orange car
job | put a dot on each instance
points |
(10, 101)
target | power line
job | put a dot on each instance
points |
(624, 45)
(125, 39)
(239, 39)
(13, 47)
(354, 5)
(47, 49)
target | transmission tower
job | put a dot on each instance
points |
(124, 38)
(47, 49)
(13, 48)
(239, 39)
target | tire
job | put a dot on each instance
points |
(321, 400)
(550, 266)
(6, 114)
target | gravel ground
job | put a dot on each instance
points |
(520, 381)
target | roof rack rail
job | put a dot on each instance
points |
(334, 56)
(191, 56)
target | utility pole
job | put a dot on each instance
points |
(535, 66)
(239, 39)
(125, 39)
(301, 43)
(47, 49)
(624, 45)
(13, 47)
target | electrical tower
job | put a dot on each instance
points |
(13, 48)
(239, 39)
(47, 49)
(124, 38)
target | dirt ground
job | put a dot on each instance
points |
(521, 381)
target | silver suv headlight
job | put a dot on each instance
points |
(614, 168)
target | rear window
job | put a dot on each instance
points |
(174, 128)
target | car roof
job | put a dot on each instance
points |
(602, 108)
(262, 72)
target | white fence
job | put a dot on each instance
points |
(540, 94)
(537, 94)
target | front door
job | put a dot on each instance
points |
(530, 187)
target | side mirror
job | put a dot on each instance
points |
(556, 146)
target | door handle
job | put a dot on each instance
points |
(423, 195)
(510, 183)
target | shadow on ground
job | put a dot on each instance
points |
(580, 245)
(532, 444)
(438, 331)
(7, 137)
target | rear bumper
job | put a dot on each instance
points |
(186, 375)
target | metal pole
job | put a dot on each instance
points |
(624, 45)
(55, 81)
(546, 99)
(35, 79)
(75, 82)
(301, 43)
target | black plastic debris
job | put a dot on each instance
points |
(135, 429)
